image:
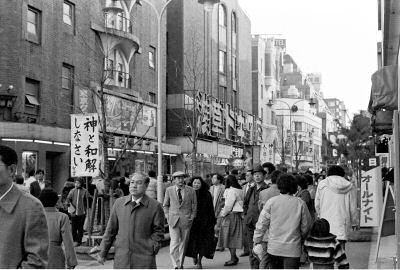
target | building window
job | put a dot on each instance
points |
(222, 94)
(67, 81)
(33, 24)
(152, 59)
(234, 30)
(262, 91)
(32, 97)
(110, 68)
(234, 73)
(298, 126)
(222, 15)
(29, 162)
(268, 70)
(152, 97)
(68, 13)
(234, 99)
(262, 114)
(222, 62)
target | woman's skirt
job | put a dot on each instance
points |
(231, 231)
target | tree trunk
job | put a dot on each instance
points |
(107, 183)
(194, 158)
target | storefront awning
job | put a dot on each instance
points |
(384, 89)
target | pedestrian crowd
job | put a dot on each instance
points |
(278, 219)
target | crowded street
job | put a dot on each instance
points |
(199, 134)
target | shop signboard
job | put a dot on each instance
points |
(371, 198)
(85, 150)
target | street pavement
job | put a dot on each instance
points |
(358, 255)
(164, 261)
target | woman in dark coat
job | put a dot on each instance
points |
(202, 241)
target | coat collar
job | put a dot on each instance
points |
(144, 201)
(9, 202)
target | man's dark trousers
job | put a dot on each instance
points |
(77, 227)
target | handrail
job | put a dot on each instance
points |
(118, 22)
(119, 77)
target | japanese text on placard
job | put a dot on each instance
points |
(85, 152)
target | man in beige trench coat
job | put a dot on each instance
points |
(137, 225)
(24, 238)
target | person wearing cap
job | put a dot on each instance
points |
(180, 207)
(251, 210)
(77, 209)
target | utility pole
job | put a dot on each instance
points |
(283, 147)
(397, 168)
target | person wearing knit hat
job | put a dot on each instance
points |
(323, 249)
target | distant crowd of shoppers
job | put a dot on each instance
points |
(279, 219)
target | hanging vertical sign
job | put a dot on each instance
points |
(371, 197)
(85, 152)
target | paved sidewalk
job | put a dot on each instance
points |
(387, 250)
(164, 261)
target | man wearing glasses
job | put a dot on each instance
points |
(180, 207)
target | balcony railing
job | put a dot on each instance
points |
(118, 78)
(117, 22)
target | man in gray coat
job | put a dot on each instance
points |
(180, 207)
(137, 226)
(24, 238)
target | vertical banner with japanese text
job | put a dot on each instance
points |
(371, 197)
(85, 152)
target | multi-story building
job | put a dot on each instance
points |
(55, 56)
(209, 67)
(339, 111)
(267, 65)
(299, 126)
(301, 132)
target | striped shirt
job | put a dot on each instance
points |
(326, 251)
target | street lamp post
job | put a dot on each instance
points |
(292, 109)
(208, 4)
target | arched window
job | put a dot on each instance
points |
(234, 23)
(222, 15)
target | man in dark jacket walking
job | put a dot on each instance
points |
(251, 210)
(137, 226)
(77, 198)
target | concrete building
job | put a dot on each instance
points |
(209, 66)
(339, 111)
(301, 130)
(299, 126)
(267, 66)
(55, 55)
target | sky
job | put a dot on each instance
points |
(336, 38)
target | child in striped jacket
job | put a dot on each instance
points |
(323, 249)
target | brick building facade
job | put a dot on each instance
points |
(209, 67)
(53, 54)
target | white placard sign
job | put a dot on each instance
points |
(85, 152)
(371, 197)
(372, 162)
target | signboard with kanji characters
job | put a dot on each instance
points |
(371, 198)
(85, 152)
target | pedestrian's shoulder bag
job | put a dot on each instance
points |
(71, 209)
